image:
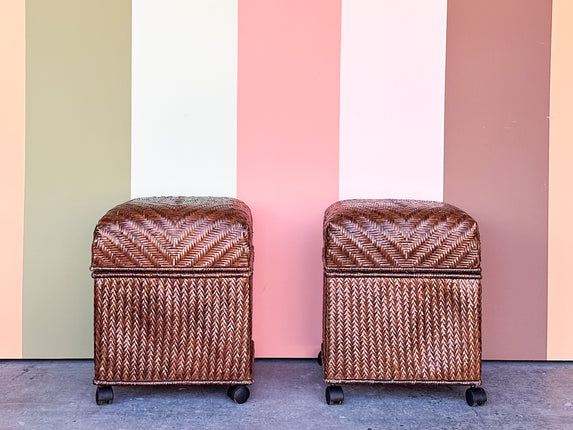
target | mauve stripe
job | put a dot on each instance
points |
(287, 161)
(496, 160)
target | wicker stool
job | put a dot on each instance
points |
(402, 296)
(172, 294)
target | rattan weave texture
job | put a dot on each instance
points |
(402, 293)
(173, 291)
(173, 330)
(174, 232)
(391, 234)
(402, 329)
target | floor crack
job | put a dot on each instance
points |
(24, 371)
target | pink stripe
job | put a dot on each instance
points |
(287, 161)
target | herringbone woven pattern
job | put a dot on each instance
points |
(402, 329)
(173, 330)
(389, 234)
(174, 232)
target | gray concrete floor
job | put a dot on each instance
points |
(287, 394)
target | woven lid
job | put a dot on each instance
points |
(174, 233)
(399, 234)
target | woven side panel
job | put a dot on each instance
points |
(406, 329)
(387, 234)
(172, 329)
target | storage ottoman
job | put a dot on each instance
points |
(402, 296)
(172, 294)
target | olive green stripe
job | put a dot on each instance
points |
(77, 161)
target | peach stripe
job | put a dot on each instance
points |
(560, 293)
(12, 165)
(287, 161)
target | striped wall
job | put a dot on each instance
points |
(289, 106)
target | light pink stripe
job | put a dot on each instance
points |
(287, 161)
(392, 99)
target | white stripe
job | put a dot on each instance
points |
(392, 99)
(184, 97)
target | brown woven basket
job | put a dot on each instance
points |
(173, 292)
(402, 293)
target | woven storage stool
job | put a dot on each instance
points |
(172, 294)
(402, 296)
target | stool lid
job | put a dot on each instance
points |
(400, 234)
(174, 233)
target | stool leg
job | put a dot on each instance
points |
(334, 395)
(104, 395)
(476, 396)
(239, 393)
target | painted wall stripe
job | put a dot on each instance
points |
(496, 160)
(560, 292)
(288, 110)
(184, 100)
(392, 99)
(77, 162)
(12, 162)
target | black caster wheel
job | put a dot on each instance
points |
(319, 359)
(476, 396)
(334, 395)
(104, 395)
(239, 393)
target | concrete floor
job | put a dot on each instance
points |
(287, 394)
